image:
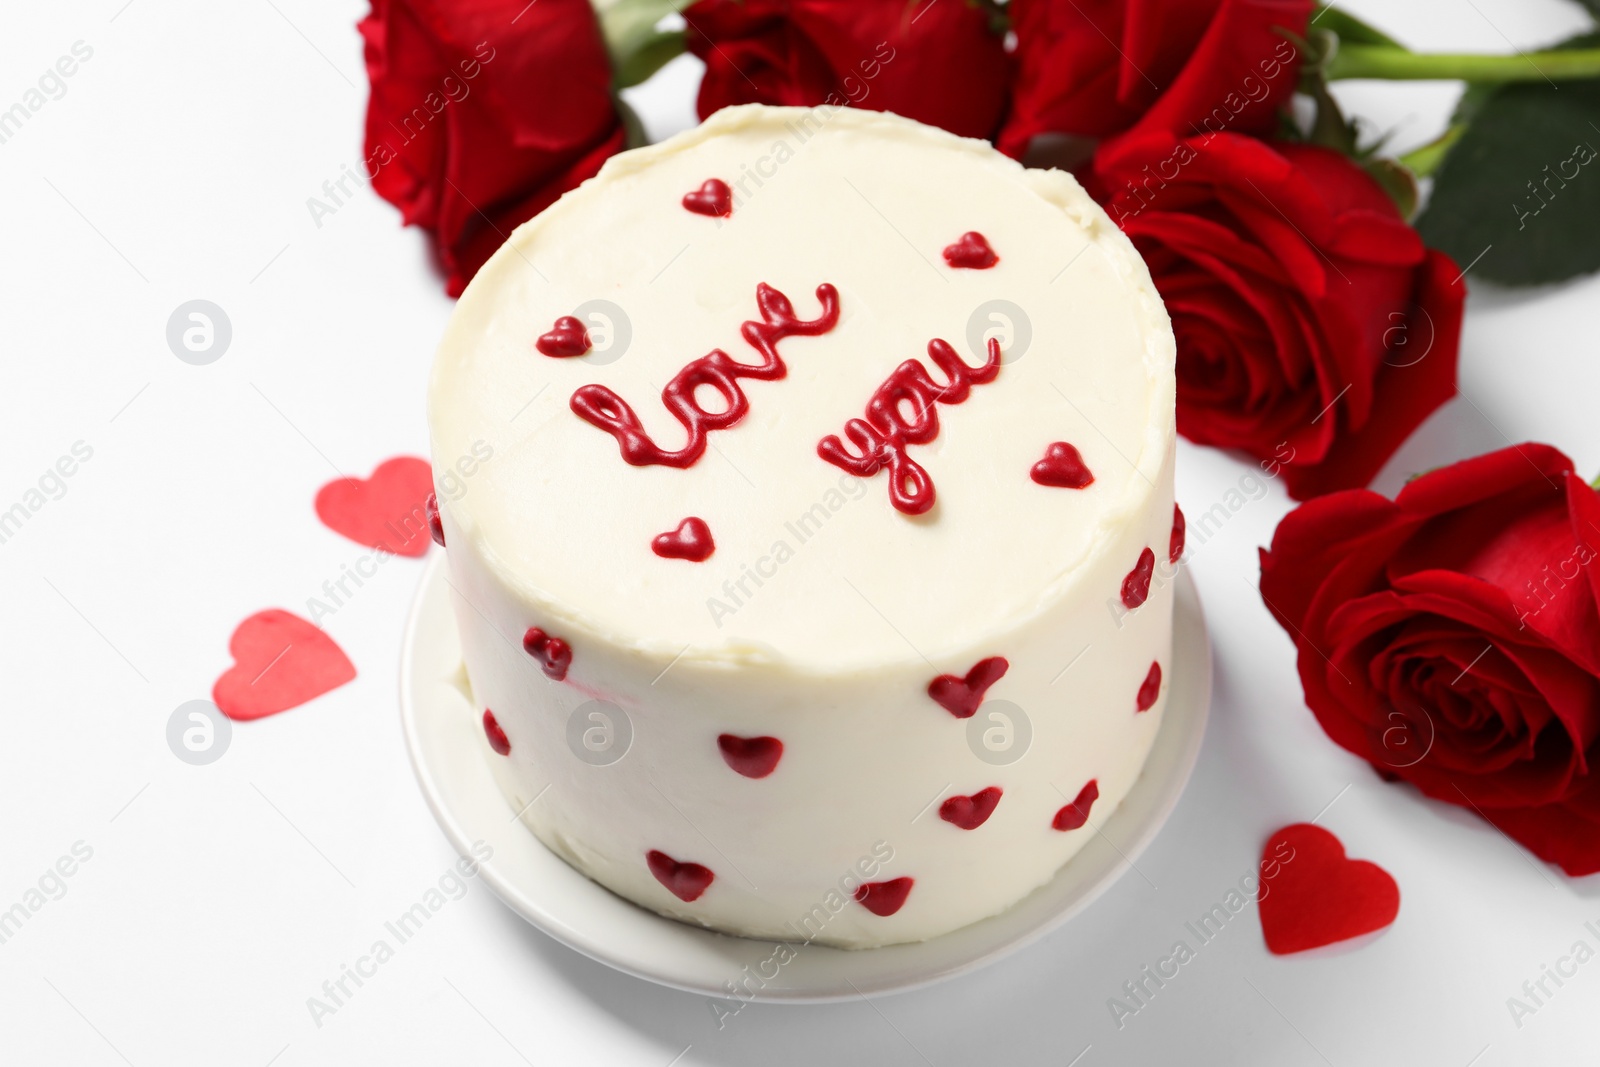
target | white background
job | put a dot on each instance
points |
(178, 165)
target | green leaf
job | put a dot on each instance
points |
(1521, 187)
(629, 27)
(1353, 30)
(651, 55)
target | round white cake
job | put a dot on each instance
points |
(802, 479)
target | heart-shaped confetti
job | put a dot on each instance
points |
(387, 511)
(280, 661)
(1312, 894)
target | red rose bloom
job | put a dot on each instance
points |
(936, 61)
(482, 114)
(1315, 331)
(1452, 638)
(1094, 68)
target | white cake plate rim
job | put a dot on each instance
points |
(446, 754)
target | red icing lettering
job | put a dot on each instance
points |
(601, 407)
(553, 654)
(881, 439)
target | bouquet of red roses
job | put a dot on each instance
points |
(1317, 305)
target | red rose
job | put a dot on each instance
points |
(482, 114)
(1094, 68)
(1315, 331)
(936, 61)
(1452, 638)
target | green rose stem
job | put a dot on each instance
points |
(1398, 64)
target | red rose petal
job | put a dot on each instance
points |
(1150, 688)
(568, 337)
(1313, 895)
(1136, 586)
(971, 812)
(884, 898)
(961, 696)
(1076, 814)
(387, 511)
(753, 757)
(713, 198)
(497, 737)
(553, 654)
(280, 662)
(686, 881)
(972, 252)
(1063, 468)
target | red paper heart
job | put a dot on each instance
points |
(1313, 895)
(969, 813)
(686, 881)
(280, 661)
(1076, 814)
(961, 696)
(753, 757)
(713, 198)
(497, 737)
(884, 898)
(972, 252)
(553, 654)
(1180, 531)
(387, 511)
(1136, 586)
(691, 541)
(568, 337)
(1150, 688)
(1063, 468)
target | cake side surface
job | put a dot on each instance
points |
(834, 675)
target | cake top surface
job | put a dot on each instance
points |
(851, 240)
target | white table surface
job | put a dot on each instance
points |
(219, 898)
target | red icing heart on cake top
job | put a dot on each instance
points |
(280, 662)
(1312, 894)
(753, 757)
(686, 881)
(553, 654)
(1076, 814)
(568, 337)
(1063, 468)
(969, 813)
(884, 898)
(497, 737)
(972, 252)
(1136, 586)
(1150, 688)
(1180, 531)
(435, 524)
(961, 696)
(713, 198)
(691, 541)
(386, 511)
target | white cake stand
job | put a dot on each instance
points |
(443, 737)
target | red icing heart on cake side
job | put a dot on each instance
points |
(972, 252)
(961, 696)
(568, 337)
(1136, 586)
(1150, 688)
(884, 898)
(753, 757)
(713, 198)
(691, 541)
(553, 654)
(1063, 468)
(1180, 532)
(1074, 815)
(435, 524)
(497, 737)
(686, 881)
(971, 812)
(280, 662)
(387, 511)
(1315, 895)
